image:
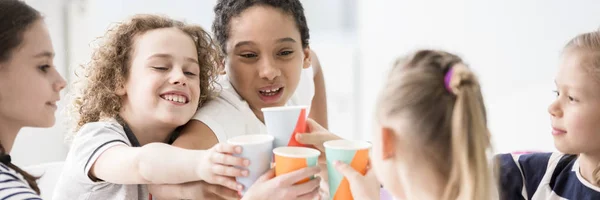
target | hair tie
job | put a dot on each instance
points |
(448, 78)
(5, 159)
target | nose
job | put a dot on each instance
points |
(268, 70)
(554, 109)
(59, 84)
(178, 77)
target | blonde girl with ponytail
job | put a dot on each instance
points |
(432, 138)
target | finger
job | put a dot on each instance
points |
(298, 175)
(348, 172)
(228, 171)
(227, 148)
(225, 159)
(267, 176)
(314, 139)
(305, 188)
(310, 196)
(226, 182)
(371, 177)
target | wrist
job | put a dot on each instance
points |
(200, 161)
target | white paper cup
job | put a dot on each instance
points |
(284, 123)
(257, 149)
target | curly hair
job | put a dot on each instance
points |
(227, 9)
(110, 63)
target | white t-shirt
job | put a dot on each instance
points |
(228, 115)
(90, 142)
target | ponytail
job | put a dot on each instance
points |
(31, 180)
(470, 175)
(442, 99)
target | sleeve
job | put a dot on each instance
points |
(91, 141)
(511, 178)
(521, 174)
(221, 116)
(213, 123)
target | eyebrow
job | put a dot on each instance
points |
(281, 40)
(44, 54)
(287, 39)
(162, 55)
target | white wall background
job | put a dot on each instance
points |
(513, 45)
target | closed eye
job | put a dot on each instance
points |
(190, 73)
(286, 53)
(249, 55)
(161, 68)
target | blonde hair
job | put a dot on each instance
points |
(589, 45)
(109, 67)
(449, 123)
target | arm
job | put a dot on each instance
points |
(155, 163)
(318, 110)
(196, 135)
(152, 163)
(192, 190)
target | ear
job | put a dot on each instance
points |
(222, 67)
(307, 57)
(388, 143)
(120, 90)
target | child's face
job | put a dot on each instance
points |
(163, 84)
(29, 82)
(575, 113)
(265, 56)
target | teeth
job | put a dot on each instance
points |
(175, 98)
(270, 91)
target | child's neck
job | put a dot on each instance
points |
(587, 164)
(145, 131)
(8, 133)
(423, 183)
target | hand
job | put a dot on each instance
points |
(284, 187)
(217, 166)
(317, 135)
(362, 187)
(192, 190)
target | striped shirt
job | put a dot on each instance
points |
(543, 176)
(13, 186)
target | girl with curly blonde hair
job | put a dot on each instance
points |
(146, 79)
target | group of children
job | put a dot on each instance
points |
(159, 97)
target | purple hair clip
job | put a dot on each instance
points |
(448, 78)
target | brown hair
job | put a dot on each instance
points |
(451, 123)
(16, 17)
(589, 45)
(109, 67)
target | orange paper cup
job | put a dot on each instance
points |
(289, 159)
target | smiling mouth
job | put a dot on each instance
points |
(270, 92)
(175, 98)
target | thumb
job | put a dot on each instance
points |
(347, 171)
(313, 126)
(267, 176)
(310, 138)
